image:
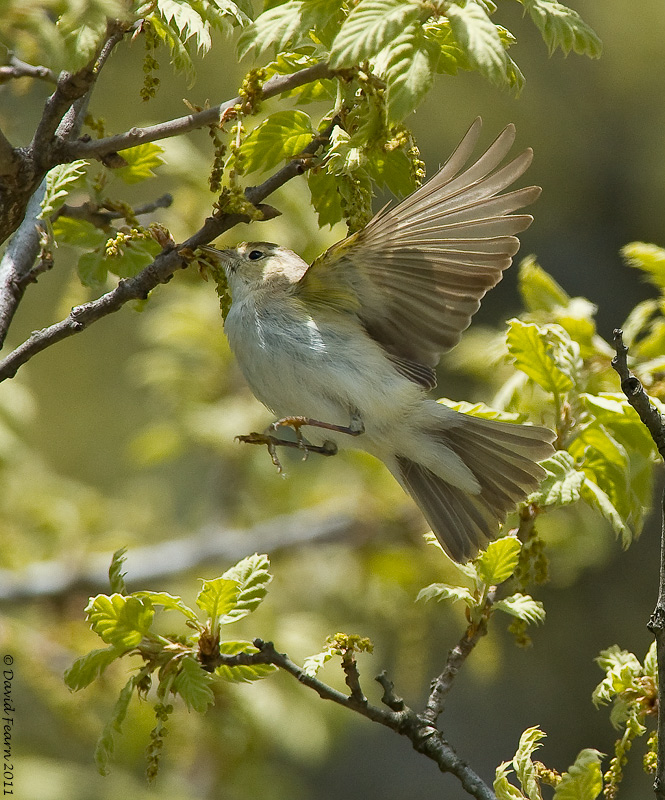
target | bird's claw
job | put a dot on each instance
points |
(328, 448)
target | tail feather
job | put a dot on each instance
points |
(503, 458)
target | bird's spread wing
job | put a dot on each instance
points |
(419, 270)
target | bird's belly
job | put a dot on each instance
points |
(298, 368)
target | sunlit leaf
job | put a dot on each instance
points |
(545, 353)
(523, 607)
(281, 136)
(583, 780)
(562, 484)
(243, 673)
(499, 560)
(539, 291)
(168, 601)
(524, 767)
(89, 667)
(141, 161)
(441, 591)
(218, 597)
(105, 744)
(503, 789)
(118, 620)
(562, 27)
(252, 578)
(193, 683)
(276, 29)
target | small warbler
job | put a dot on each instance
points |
(347, 347)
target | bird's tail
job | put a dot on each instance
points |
(502, 458)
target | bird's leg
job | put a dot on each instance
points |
(354, 428)
(273, 442)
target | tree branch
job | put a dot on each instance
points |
(101, 216)
(425, 738)
(160, 271)
(655, 422)
(15, 68)
(97, 148)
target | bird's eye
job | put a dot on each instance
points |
(254, 255)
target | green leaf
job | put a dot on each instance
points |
(245, 673)
(480, 41)
(180, 57)
(134, 255)
(523, 607)
(442, 591)
(370, 27)
(312, 664)
(141, 161)
(59, 182)
(252, 577)
(651, 661)
(599, 499)
(562, 484)
(582, 781)
(325, 197)
(392, 168)
(524, 768)
(193, 684)
(649, 258)
(83, 27)
(562, 27)
(116, 576)
(502, 788)
(281, 136)
(93, 269)
(600, 439)
(85, 669)
(168, 601)
(77, 232)
(639, 319)
(545, 353)
(499, 560)
(185, 19)
(538, 290)
(277, 29)
(408, 63)
(218, 597)
(118, 620)
(105, 743)
(481, 410)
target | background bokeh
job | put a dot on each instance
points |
(123, 436)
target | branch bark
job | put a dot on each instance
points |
(99, 148)
(655, 422)
(160, 271)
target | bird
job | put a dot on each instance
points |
(345, 348)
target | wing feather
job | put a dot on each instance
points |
(420, 269)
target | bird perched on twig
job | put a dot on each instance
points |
(346, 347)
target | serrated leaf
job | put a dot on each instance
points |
(116, 576)
(442, 591)
(582, 781)
(169, 602)
(370, 27)
(105, 743)
(281, 136)
(538, 290)
(217, 597)
(646, 257)
(276, 29)
(392, 169)
(193, 684)
(545, 353)
(245, 673)
(479, 38)
(499, 560)
(561, 27)
(141, 161)
(312, 664)
(599, 438)
(523, 607)
(524, 768)
(85, 669)
(408, 63)
(184, 17)
(252, 577)
(59, 182)
(563, 483)
(180, 57)
(503, 789)
(118, 620)
(83, 28)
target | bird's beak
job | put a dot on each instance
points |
(227, 258)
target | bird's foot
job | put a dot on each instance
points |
(273, 442)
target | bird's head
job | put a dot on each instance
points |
(252, 266)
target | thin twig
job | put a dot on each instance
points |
(424, 738)
(98, 148)
(655, 422)
(20, 69)
(101, 217)
(160, 271)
